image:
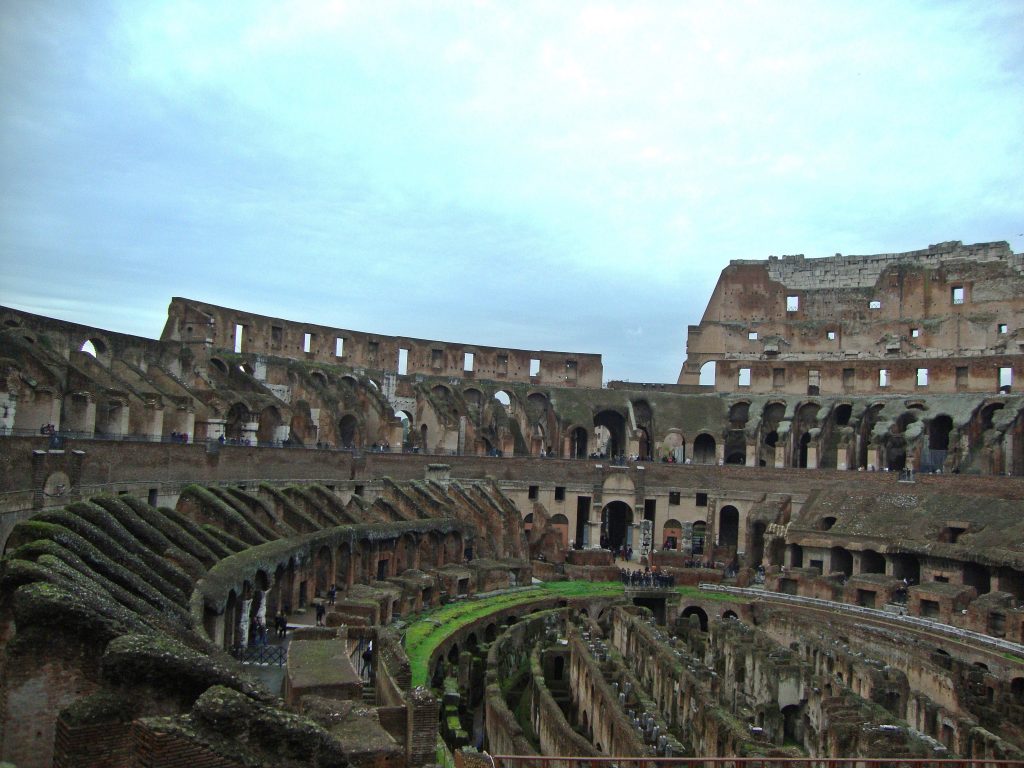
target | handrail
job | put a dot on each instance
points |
(977, 637)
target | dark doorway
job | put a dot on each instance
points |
(578, 443)
(618, 516)
(728, 526)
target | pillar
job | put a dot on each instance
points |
(8, 407)
(812, 455)
(249, 430)
(214, 428)
(780, 454)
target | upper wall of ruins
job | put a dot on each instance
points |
(222, 328)
(944, 319)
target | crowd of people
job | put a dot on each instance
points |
(647, 579)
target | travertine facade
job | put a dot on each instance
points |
(946, 319)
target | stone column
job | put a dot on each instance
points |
(780, 454)
(214, 428)
(751, 453)
(249, 430)
(154, 422)
(812, 455)
(8, 407)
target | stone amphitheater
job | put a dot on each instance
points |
(256, 541)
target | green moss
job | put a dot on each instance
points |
(176, 533)
(229, 518)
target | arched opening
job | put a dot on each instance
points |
(615, 423)
(453, 654)
(872, 562)
(702, 617)
(698, 536)
(842, 414)
(94, 348)
(270, 421)
(238, 416)
(671, 534)
(578, 443)
(560, 524)
(730, 614)
(319, 379)
(867, 424)
(805, 440)
(1017, 689)
(617, 519)
(826, 523)
(842, 561)
(490, 632)
(704, 449)
(406, 419)
(424, 445)
(348, 431)
(792, 727)
(707, 374)
(738, 415)
(938, 432)
(502, 397)
(728, 526)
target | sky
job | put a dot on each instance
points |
(553, 175)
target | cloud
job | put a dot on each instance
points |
(539, 175)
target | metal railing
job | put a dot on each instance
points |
(928, 624)
(264, 655)
(550, 761)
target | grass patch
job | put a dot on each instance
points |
(434, 627)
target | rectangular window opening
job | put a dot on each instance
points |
(307, 342)
(467, 362)
(1001, 328)
(276, 336)
(831, 335)
(778, 377)
(702, 499)
(849, 378)
(915, 333)
(752, 335)
(957, 294)
(534, 367)
(239, 330)
(1005, 378)
(532, 493)
(792, 303)
(883, 377)
(922, 377)
(437, 359)
(403, 361)
(673, 498)
(874, 304)
(339, 347)
(744, 377)
(559, 493)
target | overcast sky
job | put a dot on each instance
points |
(547, 175)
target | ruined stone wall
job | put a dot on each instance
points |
(945, 319)
(193, 322)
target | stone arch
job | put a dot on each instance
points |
(349, 431)
(704, 448)
(674, 445)
(739, 412)
(938, 432)
(730, 614)
(671, 534)
(615, 423)
(560, 523)
(319, 378)
(270, 421)
(700, 613)
(96, 347)
(302, 430)
(237, 417)
(698, 541)
(578, 437)
(219, 365)
(708, 372)
(728, 526)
